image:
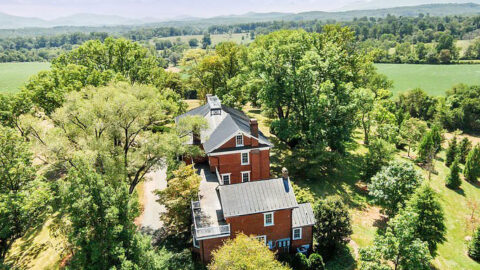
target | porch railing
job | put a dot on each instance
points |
(212, 231)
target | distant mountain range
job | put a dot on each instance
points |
(13, 22)
(379, 4)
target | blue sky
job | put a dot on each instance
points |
(164, 9)
(161, 8)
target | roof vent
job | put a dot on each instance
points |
(215, 105)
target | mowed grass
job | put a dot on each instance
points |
(434, 79)
(240, 38)
(14, 75)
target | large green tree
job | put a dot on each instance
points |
(244, 253)
(332, 226)
(182, 189)
(94, 64)
(472, 165)
(101, 215)
(23, 196)
(397, 248)
(430, 222)
(121, 128)
(393, 186)
(308, 81)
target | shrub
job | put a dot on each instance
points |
(472, 165)
(453, 180)
(463, 149)
(332, 226)
(451, 152)
(379, 154)
(474, 246)
(315, 262)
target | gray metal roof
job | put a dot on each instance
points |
(256, 197)
(224, 126)
(303, 216)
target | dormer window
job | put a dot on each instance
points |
(239, 140)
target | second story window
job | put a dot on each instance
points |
(239, 140)
(268, 219)
(245, 159)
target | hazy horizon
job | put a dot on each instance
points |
(164, 9)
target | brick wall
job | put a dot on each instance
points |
(259, 165)
(254, 225)
(208, 246)
(307, 238)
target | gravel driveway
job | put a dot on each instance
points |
(152, 209)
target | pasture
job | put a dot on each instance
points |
(434, 79)
(13, 75)
(240, 38)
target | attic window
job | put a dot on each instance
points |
(297, 234)
(239, 140)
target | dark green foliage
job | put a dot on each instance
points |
(474, 246)
(453, 180)
(418, 104)
(315, 262)
(452, 152)
(300, 262)
(101, 212)
(430, 223)
(379, 154)
(23, 198)
(463, 149)
(94, 64)
(398, 246)
(462, 109)
(332, 226)
(430, 145)
(472, 165)
(394, 185)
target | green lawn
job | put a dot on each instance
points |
(216, 38)
(434, 79)
(13, 75)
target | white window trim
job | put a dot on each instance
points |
(236, 140)
(246, 172)
(264, 237)
(293, 234)
(265, 219)
(229, 178)
(248, 157)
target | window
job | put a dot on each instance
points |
(226, 179)
(262, 239)
(268, 219)
(297, 234)
(245, 177)
(239, 140)
(195, 242)
(245, 159)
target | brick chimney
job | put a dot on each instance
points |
(254, 131)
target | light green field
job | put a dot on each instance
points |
(434, 79)
(13, 75)
(216, 38)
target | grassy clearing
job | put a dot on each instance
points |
(434, 79)
(13, 75)
(237, 38)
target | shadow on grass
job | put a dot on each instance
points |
(338, 179)
(27, 251)
(460, 191)
(343, 259)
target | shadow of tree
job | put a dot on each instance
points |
(343, 259)
(335, 177)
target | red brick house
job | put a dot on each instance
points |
(237, 194)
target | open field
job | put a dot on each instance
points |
(434, 79)
(216, 38)
(13, 75)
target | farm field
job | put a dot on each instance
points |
(237, 38)
(434, 79)
(13, 75)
